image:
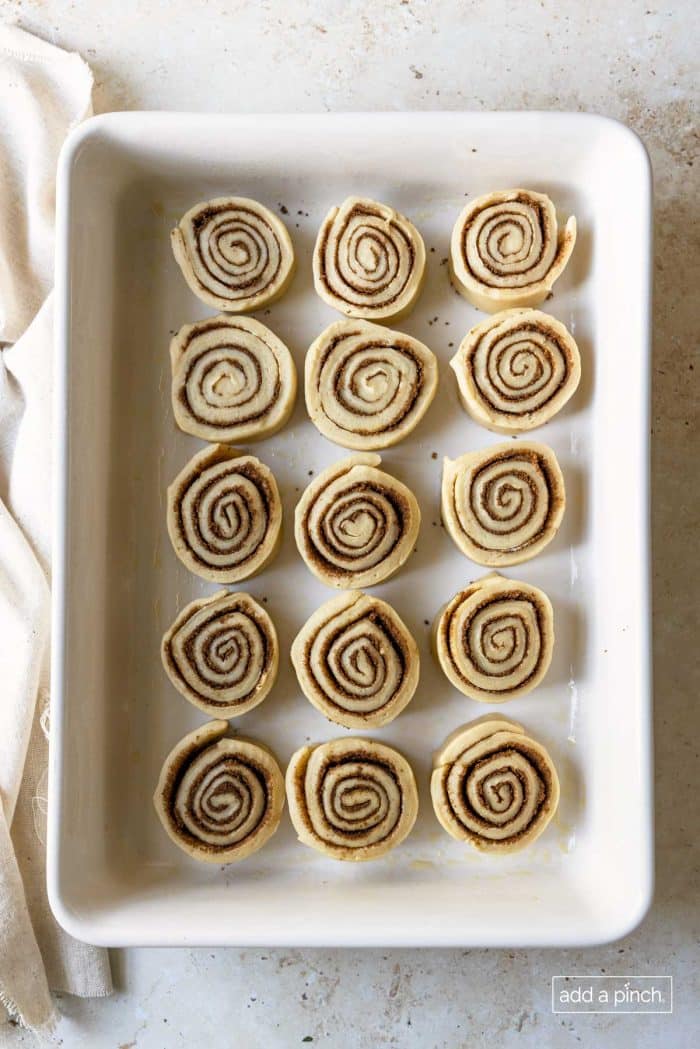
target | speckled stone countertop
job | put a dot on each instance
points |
(637, 61)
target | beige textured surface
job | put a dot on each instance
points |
(634, 60)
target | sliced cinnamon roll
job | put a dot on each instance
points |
(233, 379)
(356, 661)
(355, 525)
(369, 261)
(507, 249)
(516, 370)
(494, 786)
(224, 515)
(494, 639)
(368, 387)
(222, 654)
(351, 799)
(234, 253)
(504, 504)
(219, 799)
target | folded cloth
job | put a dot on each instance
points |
(44, 92)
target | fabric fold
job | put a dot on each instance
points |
(44, 92)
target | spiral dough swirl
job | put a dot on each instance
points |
(367, 387)
(234, 253)
(222, 654)
(352, 799)
(233, 379)
(355, 525)
(503, 505)
(507, 250)
(493, 786)
(219, 799)
(516, 370)
(494, 640)
(356, 661)
(369, 260)
(224, 515)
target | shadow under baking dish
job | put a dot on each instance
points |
(114, 877)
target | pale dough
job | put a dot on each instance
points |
(356, 661)
(219, 798)
(494, 639)
(351, 799)
(368, 387)
(234, 253)
(493, 786)
(504, 504)
(224, 514)
(507, 249)
(232, 379)
(516, 370)
(222, 653)
(369, 261)
(355, 525)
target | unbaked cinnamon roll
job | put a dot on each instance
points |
(351, 799)
(356, 661)
(219, 798)
(494, 786)
(504, 504)
(507, 249)
(222, 654)
(233, 379)
(516, 370)
(234, 253)
(224, 515)
(494, 639)
(355, 525)
(369, 261)
(368, 387)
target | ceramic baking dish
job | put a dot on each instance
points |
(114, 877)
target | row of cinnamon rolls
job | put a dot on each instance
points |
(220, 798)
(506, 251)
(356, 524)
(355, 659)
(367, 387)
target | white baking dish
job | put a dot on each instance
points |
(114, 877)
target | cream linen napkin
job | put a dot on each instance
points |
(43, 93)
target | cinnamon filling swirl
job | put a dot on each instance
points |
(351, 799)
(507, 249)
(355, 525)
(367, 387)
(234, 253)
(233, 379)
(493, 786)
(224, 515)
(494, 640)
(516, 370)
(503, 505)
(222, 654)
(219, 799)
(356, 661)
(369, 260)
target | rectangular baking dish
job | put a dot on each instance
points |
(113, 876)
